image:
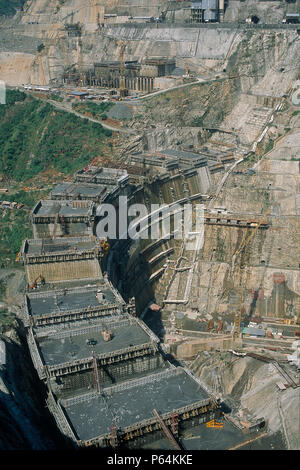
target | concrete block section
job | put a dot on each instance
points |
(131, 404)
(63, 218)
(62, 271)
(74, 303)
(108, 177)
(108, 338)
(92, 192)
(68, 209)
(34, 249)
(61, 259)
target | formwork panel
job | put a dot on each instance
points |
(60, 271)
(86, 191)
(108, 375)
(59, 245)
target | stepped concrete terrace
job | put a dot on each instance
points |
(129, 406)
(63, 218)
(61, 259)
(72, 349)
(72, 303)
(36, 250)
(87, 191)
(108, 177)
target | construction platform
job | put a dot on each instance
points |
(72, 303)
(40, 250)
(129, 406)
(234, 221)
(63, 218)
(47, 210)
(61, 259)
(108, 177)
(170, 159)
(82, 191)
(111, 340)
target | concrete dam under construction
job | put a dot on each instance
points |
(106, 317)
(149, 229)
(109, 379)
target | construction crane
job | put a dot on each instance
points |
(122, 88)
(80, 63)
(93, 162)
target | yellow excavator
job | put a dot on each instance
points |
(104, 246)
(214, 424)
(40, 279)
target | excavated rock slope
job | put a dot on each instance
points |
(250, 385)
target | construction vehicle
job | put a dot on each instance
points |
(18, 257)
(214, 424)
(40, 280)
(91, 342)
(104, 246)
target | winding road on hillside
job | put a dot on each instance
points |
(68, 107)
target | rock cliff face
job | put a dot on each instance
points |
(251, 385)
(252, 54)
(271, 12)
(87, 11)
(25, 422)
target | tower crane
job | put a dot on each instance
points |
(123, 90)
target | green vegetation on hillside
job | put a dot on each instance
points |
(28, 198)
(269, 146)
(2, 289)
(36, 137)
(7, 7)
(15, 226)
(93, 109)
